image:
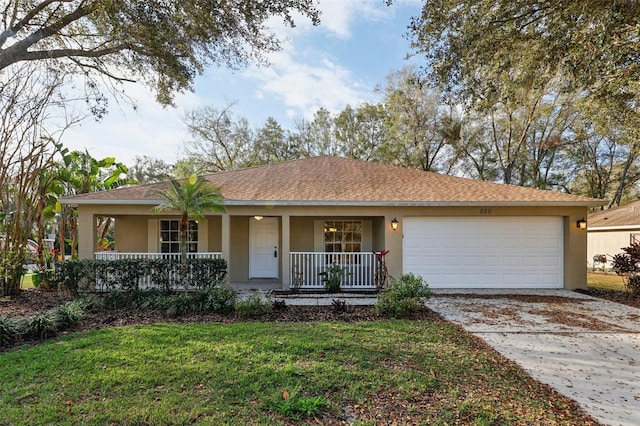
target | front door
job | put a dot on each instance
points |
(263, 247)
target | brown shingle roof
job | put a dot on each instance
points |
(627, 215)
(336, 180)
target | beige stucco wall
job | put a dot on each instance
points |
(607, 242)
(131, 234)
(240, 248)
(214, 233)
(135, 234)
(301, 233)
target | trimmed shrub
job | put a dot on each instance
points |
(181, 304)
(8, 331)
(207, 273)
(222, 300)
(164, 273)
(251, 307)
(127, 274)
(403, 297)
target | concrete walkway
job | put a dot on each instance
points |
(586, 348)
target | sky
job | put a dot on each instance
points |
(338, 63)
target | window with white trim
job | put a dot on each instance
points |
(170, 236)
(343, 236)
(634, 238)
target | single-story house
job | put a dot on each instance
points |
(285, 223)
(610, 230)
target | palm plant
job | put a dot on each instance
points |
(191, 198)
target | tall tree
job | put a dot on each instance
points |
(593, 44)
(361, 132)
(28, 145)
(165, 44)
(606, 157)
(219, 141)
(148, 169)
(273, 144)
(422, 127)
(191, 199)
(321, 133)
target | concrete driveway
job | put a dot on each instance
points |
(586, 348)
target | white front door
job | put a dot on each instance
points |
(263, 248)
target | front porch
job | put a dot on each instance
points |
(361, 270)
(288, 249)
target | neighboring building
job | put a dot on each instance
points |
(610, 230)
(284, 223)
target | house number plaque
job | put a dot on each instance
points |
(485, 211)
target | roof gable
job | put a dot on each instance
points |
(343, 181)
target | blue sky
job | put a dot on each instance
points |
(339, 62)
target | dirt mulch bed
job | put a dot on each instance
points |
(613, 295)
(31, 302)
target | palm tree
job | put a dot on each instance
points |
(191, 199)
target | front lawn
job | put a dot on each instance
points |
(610, 281)
(377, 372)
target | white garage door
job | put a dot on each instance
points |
(484, 252)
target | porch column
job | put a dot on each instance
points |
(226, 242)
(86, 233)
(286, 239)
(393, 243)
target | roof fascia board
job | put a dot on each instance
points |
(263, 203)
(613, 228)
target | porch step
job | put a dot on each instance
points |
(326, 299)
(313, 299)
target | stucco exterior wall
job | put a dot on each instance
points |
(134, 233)
(214, 233)
(609, 242)
(239, 249)
(301, 233)
(131, 234)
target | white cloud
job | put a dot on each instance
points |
(305, 87)
(338, 15)
(308, 78)
(125, 132)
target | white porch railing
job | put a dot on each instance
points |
(306, 267)
(146, 283)
(116, 255)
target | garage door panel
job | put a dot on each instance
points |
(489, 252)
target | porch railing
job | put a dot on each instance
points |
(116, 255)
(146, 283)
(307, 266)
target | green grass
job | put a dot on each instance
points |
(26, 282)
(237, 374)
(609, 281)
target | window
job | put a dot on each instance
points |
(170, 236)
(634, 239)
(343, 236)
